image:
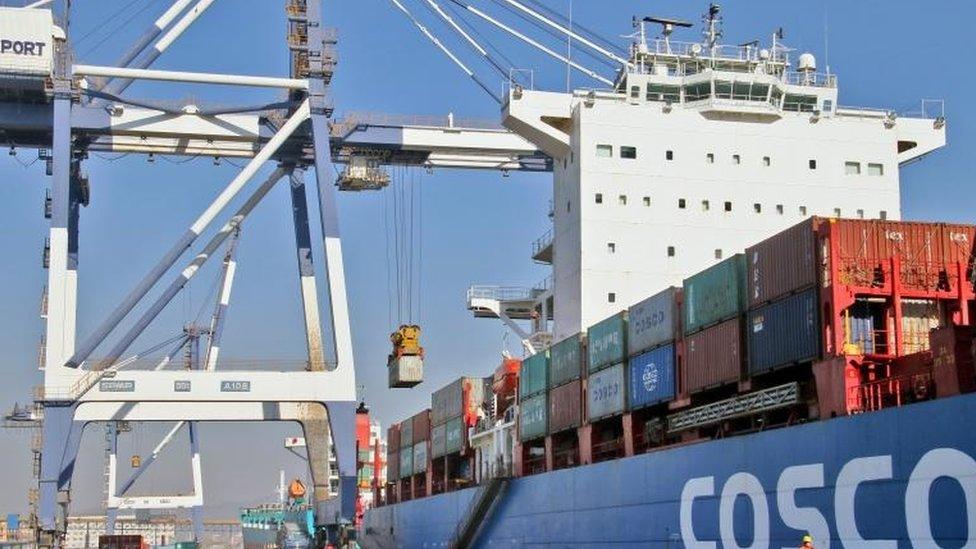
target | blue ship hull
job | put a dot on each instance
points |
(899, 478)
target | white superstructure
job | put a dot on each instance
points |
(699, 151)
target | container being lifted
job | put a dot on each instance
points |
(406, 362)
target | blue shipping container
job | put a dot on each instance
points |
(783, 333)
(13, 522)
(652, 377)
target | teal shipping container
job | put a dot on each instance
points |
(718, 293)
(454, 436)
(566, 361)
(606, 342)
(533, 418)
(534, 374)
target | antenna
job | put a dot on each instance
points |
(713, 25)
(667, 27)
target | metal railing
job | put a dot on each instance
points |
(342, 125)
(726, 52)
(501, 293)
(542, 242)
(892, 392)
(812, 79)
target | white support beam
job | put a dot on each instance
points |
(190, 77)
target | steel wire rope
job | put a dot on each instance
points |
(462, 18)
(491, 60)
(576, 27)
(106, 21)
(556, 35)
(413, 185)
(396, 244)
(386, 234)
(420, 264)
(120, 26)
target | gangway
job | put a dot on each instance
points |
(483, 506)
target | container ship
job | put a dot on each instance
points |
(740, 344)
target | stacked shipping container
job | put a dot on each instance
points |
(652, 328)
(453, 408)
(606, 352)
(533, 409)
(851, 297)
(712, 305)
(565, 385)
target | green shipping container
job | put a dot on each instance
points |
(533, 416)
(406, 462)
(454, 436)
(718, 293)
(606, 342)
(532, 377)
(566, 360)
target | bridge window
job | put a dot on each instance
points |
(659, 92)
(604, 151)
(758, 207)
(803, 210)
(876, 169)
(883, 215)
(812, 164)
(629, 153)
(611, 297)
(710, 158)
(622, 200)
(598, 198)
(611, 247)
(669, 155)
(670, 251)
(736, 159)
(723, 89)
(647, 201)
(718, 253)
(767, 161)
(728, 206)
(836, 212)
(705, 205)
(860, 213)
(681, 203)
(779, 209)
(634, 92)
(800, 103)
(852, 168)
(695, 92)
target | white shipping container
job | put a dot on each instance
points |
(606, 393)
(652, 321)
(27, 41)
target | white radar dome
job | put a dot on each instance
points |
(808, 62)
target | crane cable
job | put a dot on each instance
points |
(440, 45)
(437, 9)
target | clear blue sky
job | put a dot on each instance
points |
(477, 226)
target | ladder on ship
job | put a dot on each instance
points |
(482, 508)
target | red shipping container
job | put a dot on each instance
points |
(421, 426)
(862, 251)
(783, 263)
(713, 356)
(959, 243)
(565, 407)
(393, 436)
(952, 360)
